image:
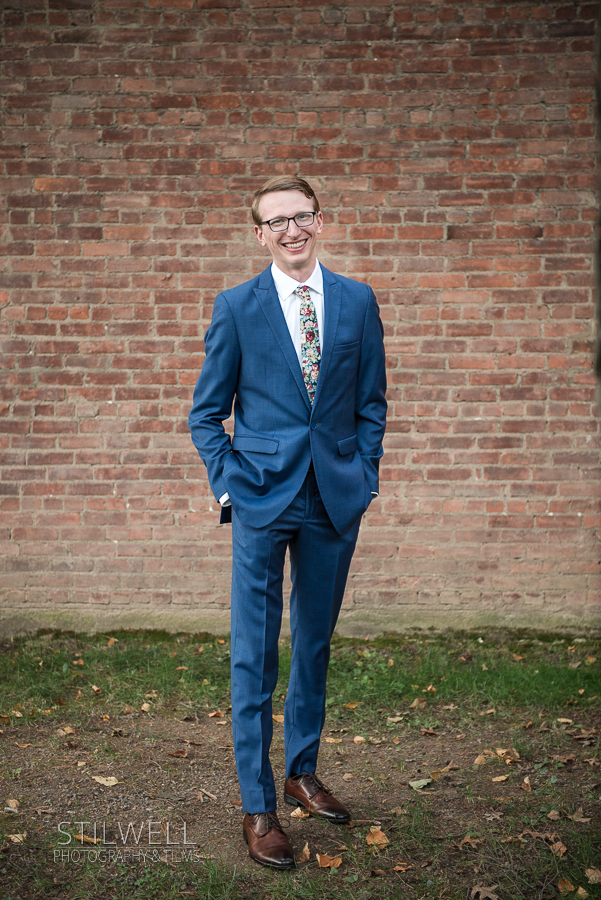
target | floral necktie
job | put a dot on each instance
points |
(310, 349)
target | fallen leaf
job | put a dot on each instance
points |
(23, 746)
(15, 712)
(430, 689)
(377, 873)
(181, 668)
(220, 641)
(480, 760)
(574, 665)
(390, 662)
(429, 731)
(179, 754)
(500, 778)
(392, 720)
(352, 705)
(488, 712)
(525, 785)
(376, 837)
(591, 659)
(358, 739)
(578, 816)
(564, 886)
(468, 839)
(420, 783)
(516, 656)
(84, 839)
(151, 695)
(418, 703)
(80, 764)
(554, 815)
(69, 730)
(402, 867)
(581, 691)
(396, 739)
(509, 755)
(300, 813)
(17, 838)
(593, 875)
(146, 707)
(13, 804)
(582, 893)
(398, 811)
(128, 710)
(111, 642)
(78, 662)
(436, 775)
(305, 855)
(451, 767)
(484, 893)
(279, 719)
(107, 782)
(558, 848)
(347, 776)
(330, 740)
(566, 721)
(328, 862)
(217, 713)
(96, 689)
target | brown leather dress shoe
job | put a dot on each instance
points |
(307, 790)
(267, 843)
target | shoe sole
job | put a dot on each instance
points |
(266, 864)
(292, 801)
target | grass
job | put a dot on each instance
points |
(501, 682)
(504, 671)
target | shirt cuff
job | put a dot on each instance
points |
(225, 500)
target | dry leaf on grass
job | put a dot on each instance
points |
(429, 731)
(554, 815)
(111, 642)
(353, 705)
(181, 668)
(376, 837)
(420, 783)
(84, 839)
(429, 690)
(347, 776)
(559, 849)
(217, 714)
(480, 760)
(418, 703)
(300, 813)
(358, 739)
(564, 886)
(500, 778)
(330, 740)
(377, 873)
(593, 875)
(328, 862)
(96, 689)
(13, 804)
(484, 893)
(146, 707)
(581, 893)
(470, 841)
(107, 782)
(402, 867)
(525, 785)
(392, 720)
(179, 754)
(305, 855)
(17, 838)
(577, 816)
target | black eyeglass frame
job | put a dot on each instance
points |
(290, 219)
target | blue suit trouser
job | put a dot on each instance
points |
(319, 561)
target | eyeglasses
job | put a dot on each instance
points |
(281, 223)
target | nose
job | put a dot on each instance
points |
(293, 231)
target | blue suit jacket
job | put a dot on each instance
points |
(251, 361)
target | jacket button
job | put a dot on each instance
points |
(313, 427)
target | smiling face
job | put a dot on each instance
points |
(294, 251)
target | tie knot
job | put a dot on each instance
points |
(303, 291)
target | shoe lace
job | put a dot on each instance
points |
(267, 821)
(315, 782)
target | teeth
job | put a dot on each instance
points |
(294, 246)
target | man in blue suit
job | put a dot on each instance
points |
(299, 352)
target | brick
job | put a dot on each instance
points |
(457, 175)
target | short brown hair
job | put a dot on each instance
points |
(282, 183)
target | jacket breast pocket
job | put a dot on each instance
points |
(250, 444)
(348, 445)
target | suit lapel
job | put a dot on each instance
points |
(332, 302)
(268, 298)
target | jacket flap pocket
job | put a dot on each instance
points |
(347, 445)
(254, 444)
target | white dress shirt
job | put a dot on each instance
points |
(290, 303)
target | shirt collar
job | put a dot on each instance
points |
(285, 285)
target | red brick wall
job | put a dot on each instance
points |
(452, 145)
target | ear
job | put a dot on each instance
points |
(260, 236)
(319, 222)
